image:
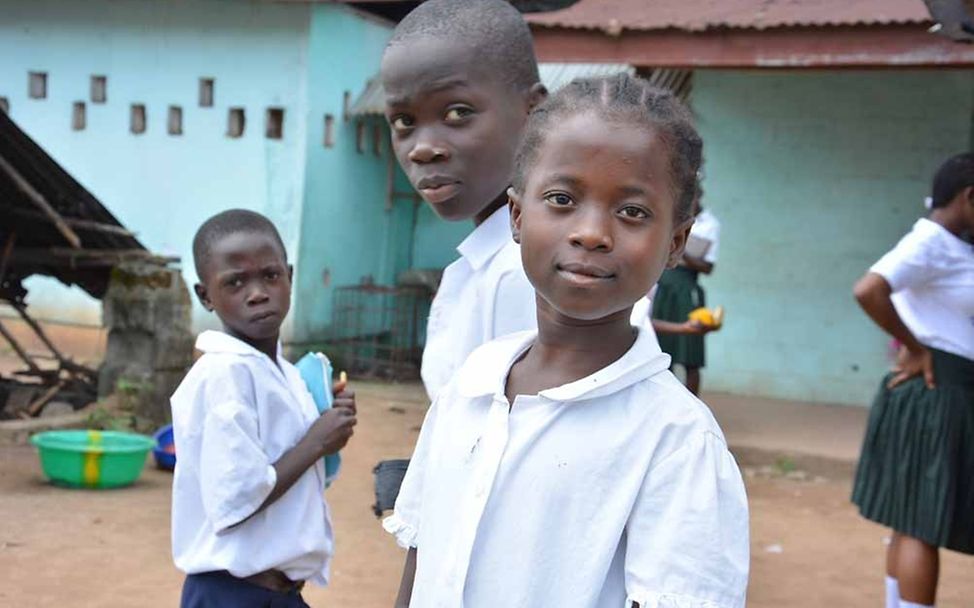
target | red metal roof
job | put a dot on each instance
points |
(614, 16)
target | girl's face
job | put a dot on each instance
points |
(596, 218)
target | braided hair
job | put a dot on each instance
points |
(622, 98)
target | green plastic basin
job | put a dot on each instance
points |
(92, 459)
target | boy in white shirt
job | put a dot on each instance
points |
(569, 467)
(249, 520)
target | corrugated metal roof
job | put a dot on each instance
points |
(553, 75)
(614, 16)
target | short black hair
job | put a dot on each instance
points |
(625, 98)
(493, 27)
(226, 223)
(952, 177)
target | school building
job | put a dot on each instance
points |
(823, 122)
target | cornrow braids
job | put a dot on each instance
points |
(624, 98)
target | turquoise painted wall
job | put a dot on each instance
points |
(347, 233)
(436, 239)
(814, 175)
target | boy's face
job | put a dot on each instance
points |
(595, 221)
(247, 283)
(455, 126)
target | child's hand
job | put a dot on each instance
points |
(696, 328)
(343, 398)
(332, 430)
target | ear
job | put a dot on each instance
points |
(969, 195)
(290, 273)
(514, 202)
(203, 297)
(678, 243)
(536, 94)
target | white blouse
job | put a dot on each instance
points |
(612, 489)
(234, 415)
(931, 273)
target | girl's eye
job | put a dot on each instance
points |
(456, 114)
(559, 199)
(633, 212)
(400, 123)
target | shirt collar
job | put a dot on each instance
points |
(643, 360)
(487, 239)
(928, 226)
(213, 341)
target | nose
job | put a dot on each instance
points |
(428, 150)
(592, 230)
(257, 295)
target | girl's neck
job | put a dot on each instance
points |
(951, 221)
(580, 348)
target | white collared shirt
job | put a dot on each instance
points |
(234, 415)
(931, 273)
(615, 488)
(707, 226)
(483, 295)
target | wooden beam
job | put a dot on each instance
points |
(38, 199)
(19, 350)
(75, 223)
(8, 249)
(894, 46)
(81, 258)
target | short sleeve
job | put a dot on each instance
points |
(405, 521)
(515, 307)
(687, 536)
(711, 255)
(236, 476)
(908, 265)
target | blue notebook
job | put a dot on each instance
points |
(316, 371)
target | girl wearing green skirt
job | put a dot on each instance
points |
(678, 293)
(916, 471)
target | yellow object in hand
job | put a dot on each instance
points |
(343, 377)
(708, 318)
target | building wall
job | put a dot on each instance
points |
(347, 233)
(814, 175)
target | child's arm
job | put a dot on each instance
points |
(236, 476)
(688, 530)
(687, 328)
(408, 576)
(330, 432)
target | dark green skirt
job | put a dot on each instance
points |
(677, 295)
(916, 471)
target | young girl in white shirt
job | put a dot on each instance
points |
(916, 472)
(568, 466)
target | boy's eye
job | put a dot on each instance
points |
(458, 113)
(234, 282)
(400, 123)
(633, 212)
(272, 275)
(558, 199)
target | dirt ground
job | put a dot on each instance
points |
(111, 548)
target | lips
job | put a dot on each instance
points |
(264, 317)
(584, 274)
(438, 188)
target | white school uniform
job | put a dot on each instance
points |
(234, 415)
(483, 295)
(615, 488)
(707, 226)
(931, 273)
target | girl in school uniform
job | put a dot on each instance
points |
(916, 471)
(567, 466)
(679, 292)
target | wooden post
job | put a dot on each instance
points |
(38, 199)
(19, 350)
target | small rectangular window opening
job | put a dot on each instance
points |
(99, 89)
(78, 116)
(137, 121)
(329, 131)
(346, 106)
(37, 87)
(175, 120)
(360, 136)
(4, 105)
(236, 122)
(274, 129)
(206, 92)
